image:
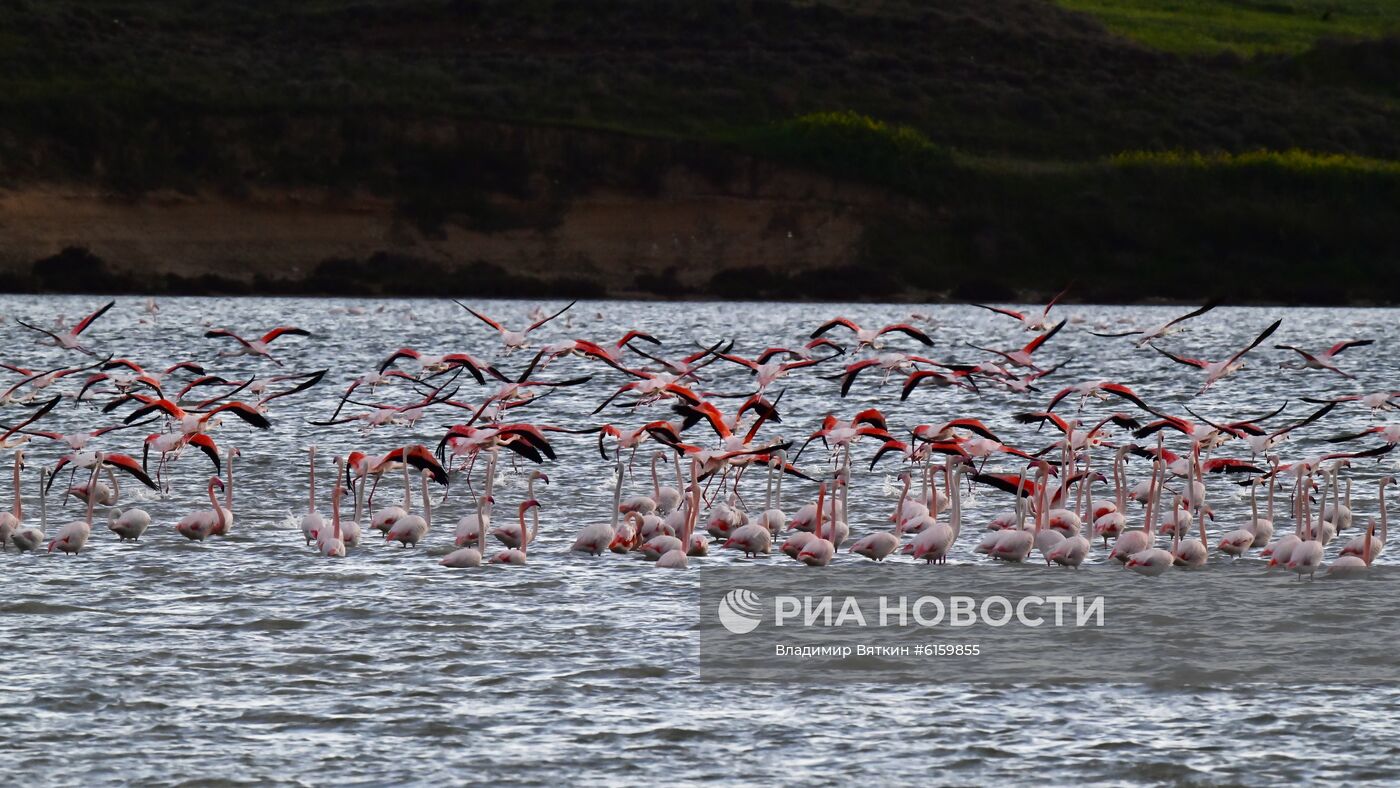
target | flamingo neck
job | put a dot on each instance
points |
(1119, 481)
(1322, 505)
(214, 504)
(427, 503)
(1385, 530)
(768, 490)
(955, 501)
(617, 494)
(1273, 478)
(694, 514)
(899, 508)
(19, 499)
(655, 480)
(92, 489)
(778, 488)
(335, 509)
(1088, 485)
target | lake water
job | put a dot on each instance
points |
(251, 659)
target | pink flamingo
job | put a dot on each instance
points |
(411, 530)
(516, 555)
(74, 535)
(197, 526)
(68, 338)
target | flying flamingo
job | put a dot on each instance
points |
(870, 337)
(1215, 370)
(1165, 329)
(1323, 360)
(68, 338)
(1022, 357)
(513, 340)
(1039, 322)
(256, 347)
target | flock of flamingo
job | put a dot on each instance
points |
(1070, 501)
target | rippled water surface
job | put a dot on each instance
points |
(252, 659)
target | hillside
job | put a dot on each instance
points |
(903, 149)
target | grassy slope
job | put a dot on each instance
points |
(1248, 27)
(1011, 118)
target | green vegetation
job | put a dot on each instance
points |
(1245, 143)
(1248, 27)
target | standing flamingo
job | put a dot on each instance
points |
(28, 537)
(311, 522)
(225, 524)
(1306, 557)
(1150, 561)
(516, 555)
(1279, 550)
(1074, 549)
(1368, 548)
(819, 550)
(10, 521)
(197, 526)
(74, 535)
(1135, 541)
(471, 527)
(677, 557)
(410, 530)
(329, 540)
(594, 539)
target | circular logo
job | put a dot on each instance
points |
(740, 611)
